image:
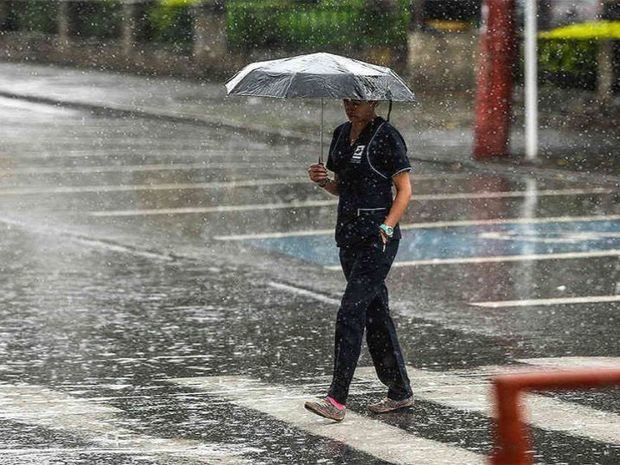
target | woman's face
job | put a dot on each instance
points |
(359, 110)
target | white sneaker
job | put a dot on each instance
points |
(389, 405)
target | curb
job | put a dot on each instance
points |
(163, 116)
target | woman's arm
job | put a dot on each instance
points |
(403, 196)
(332, 186)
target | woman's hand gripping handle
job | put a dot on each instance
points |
(318, 174)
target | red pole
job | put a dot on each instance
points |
(511, 437)
(495, 83)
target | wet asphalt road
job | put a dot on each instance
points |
(136, 253)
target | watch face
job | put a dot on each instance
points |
(387, 229)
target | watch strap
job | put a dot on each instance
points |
(388, 230)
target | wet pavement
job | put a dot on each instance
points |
(169, 296)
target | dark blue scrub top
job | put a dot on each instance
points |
(365, 171)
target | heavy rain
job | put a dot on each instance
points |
(205, 204)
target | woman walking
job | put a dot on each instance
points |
(368, 157)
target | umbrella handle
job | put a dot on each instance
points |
(321, 155)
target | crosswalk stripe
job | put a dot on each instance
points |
(553, 301)
(367, 435)
(38, 452)
(37, 405)
(29, 190)
(568, 363)
(427, 225)
(472, 393)
(329, 202)
(504, 258)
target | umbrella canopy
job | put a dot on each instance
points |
(597, 30)
(319, 75)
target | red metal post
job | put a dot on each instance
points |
(512, 440)
(495, 82)
(511, 437)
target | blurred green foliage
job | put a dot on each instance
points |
(251, 24)
(170, 22)
(32, 16)
(98, 20)
(87, 19)
(297, 24)
(568, 63)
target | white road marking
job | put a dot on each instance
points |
(39, 108)
(569, 237)
(426, 225)
(553, 301)
(504, 258)
(174, 150)
(121, 248)
(404, 307)
(537, 365)
(144, 167)
(304, 292)
(544, 364)
(91, 242)
(40, 453)
(467, 390)
(37, 405)
(367, 435)
(217, 208)
(150, 187)
(329, 300)
(471, 392)
(168, 186)
(504, 194)
(570, 363)
(321, 203)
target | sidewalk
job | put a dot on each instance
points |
(438, 129)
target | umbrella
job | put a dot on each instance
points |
(320, 75)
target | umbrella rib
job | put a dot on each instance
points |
(290, 83)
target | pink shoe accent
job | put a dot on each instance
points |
(335, 403)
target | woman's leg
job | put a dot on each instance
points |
(369, 266)
(384, 348)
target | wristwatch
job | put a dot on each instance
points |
(324, 182)
(388, 230)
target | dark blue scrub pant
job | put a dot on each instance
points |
(365, 305)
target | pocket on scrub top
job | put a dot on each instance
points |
(368, 221)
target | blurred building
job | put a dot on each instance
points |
(562, 12)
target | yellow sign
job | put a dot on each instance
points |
(597, 30)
